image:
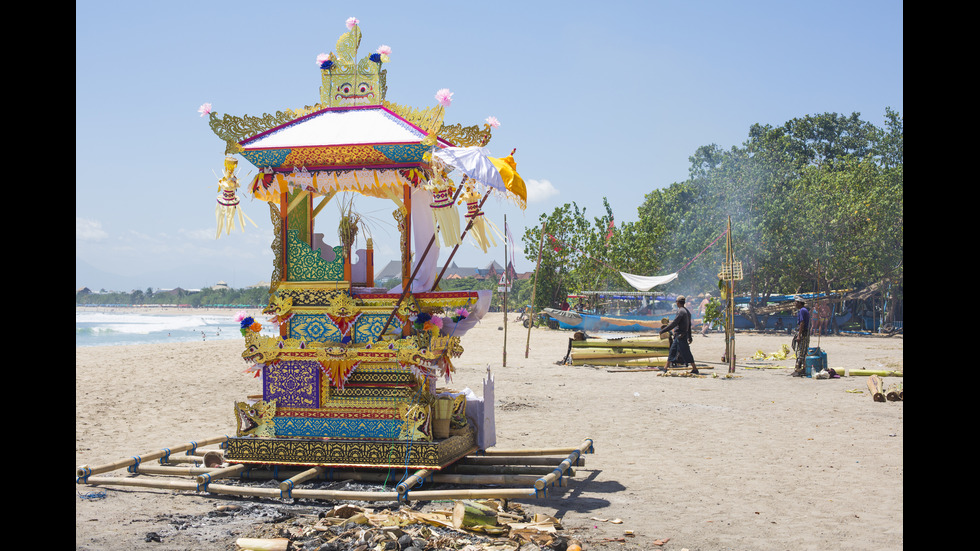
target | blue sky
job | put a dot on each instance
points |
(601, 99)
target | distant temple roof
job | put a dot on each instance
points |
(393, 270)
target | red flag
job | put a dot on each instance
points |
(609, 234)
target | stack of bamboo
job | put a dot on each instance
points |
(895, 392)
(625, 352)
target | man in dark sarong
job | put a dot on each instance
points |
(680, 346)
(801, 340)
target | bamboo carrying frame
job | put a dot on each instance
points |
(527, 473)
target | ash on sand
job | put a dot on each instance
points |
(300, 522)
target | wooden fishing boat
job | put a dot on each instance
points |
(578, 321)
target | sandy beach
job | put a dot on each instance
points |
(761, 461)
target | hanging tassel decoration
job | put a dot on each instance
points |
(474, 216)
(443, 209)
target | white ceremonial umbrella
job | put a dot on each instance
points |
(473, 162)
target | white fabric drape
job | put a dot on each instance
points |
(423, 228)
(645, 283)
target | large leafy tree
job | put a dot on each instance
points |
(814, 203)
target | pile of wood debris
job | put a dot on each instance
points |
(470, 525)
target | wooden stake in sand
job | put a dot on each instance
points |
(530, 323)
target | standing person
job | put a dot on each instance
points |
(680, 347)
(823, 317)
(702, 309)
(801, 340)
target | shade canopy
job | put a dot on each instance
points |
(339, 138)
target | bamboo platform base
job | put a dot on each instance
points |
(353, 453)
(515, 474)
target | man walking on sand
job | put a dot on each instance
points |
(680, 347)
(801, 340)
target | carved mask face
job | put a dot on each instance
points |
(349, 94)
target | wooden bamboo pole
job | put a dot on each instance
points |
(225, 472)
(561, 469)
(501, 469)
(262, 544)
(141, 482)
(411, 481)
(730, 343)
(224, 489)
(437, 477)
(172, 471)
(287, 485)
(85, 470)
(517, 460)
(275, 493)
(586, 447)
(506, 233)
(534, 289)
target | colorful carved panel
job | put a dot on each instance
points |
(403, 153)
(266, 157)
(305, 264)
(332, 427)
(368, 328)
(313, 328)
(292, 383)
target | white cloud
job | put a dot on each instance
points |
(89, 230)
(539, 190)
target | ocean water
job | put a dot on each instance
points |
(114, 328)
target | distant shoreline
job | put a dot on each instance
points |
(164, 309)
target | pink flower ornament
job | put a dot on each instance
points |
(492, 121)
(351, 23)
(444, 97)
(204, 109)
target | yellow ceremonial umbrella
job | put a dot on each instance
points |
(512, 180)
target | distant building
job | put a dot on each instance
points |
(393, 272)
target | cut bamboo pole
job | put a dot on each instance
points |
(517, 460)
(85, 470)
(412, 480)
(622, 343)
(874, 385)
(586, 447)
(287, 485)
(499, 469)
(869, 372)
(467, 514)
(439, 477)
(623, 362)
(172, 471)
(275, 493)
(262, 544)
(894, 392)
(225, 489)
(564, 467)
(165, 484)
(224, 472)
